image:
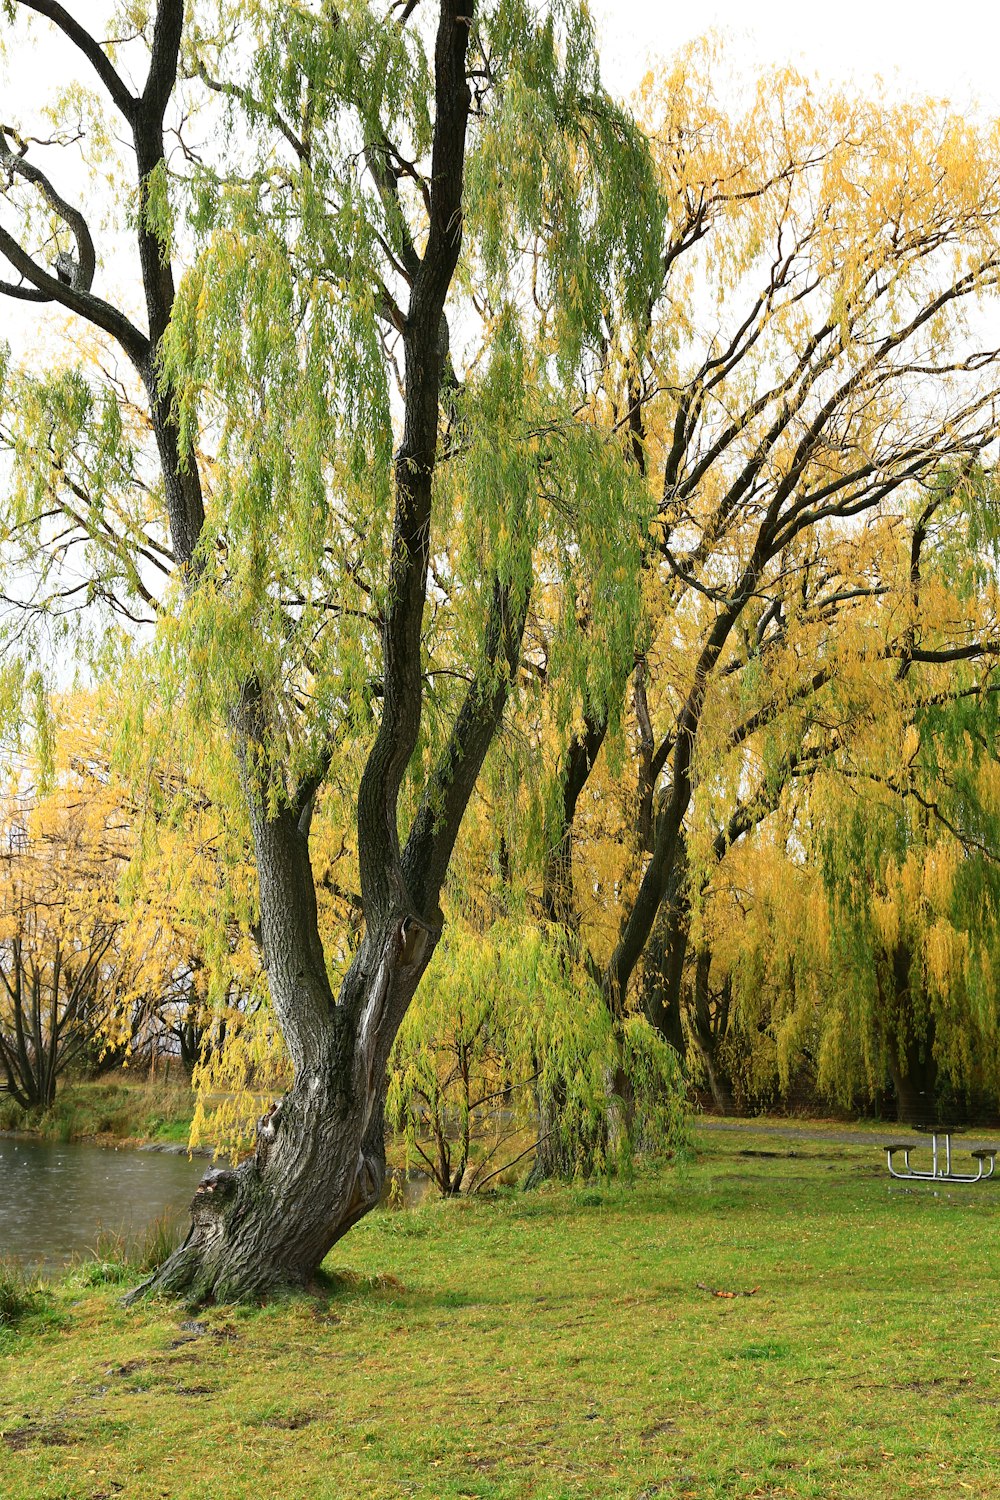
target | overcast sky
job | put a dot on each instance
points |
(951, 47)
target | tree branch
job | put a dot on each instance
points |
(119, 94)
(383, 885)
(439, 816)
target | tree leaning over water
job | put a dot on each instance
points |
(280, 544)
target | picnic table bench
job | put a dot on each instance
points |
(941, 1164)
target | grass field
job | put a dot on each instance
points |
(561, 1344)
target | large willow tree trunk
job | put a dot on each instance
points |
(319, 1162)
(914, 1080)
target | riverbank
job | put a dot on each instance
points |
(119, 1109)
(126, 1108)
(782, 1325)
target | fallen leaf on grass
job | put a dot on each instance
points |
(720, 1292)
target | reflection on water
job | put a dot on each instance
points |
(407, 1189)
(55, 1197)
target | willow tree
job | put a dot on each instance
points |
(818, 351)
(61, 954)
(856, 935)
(836, 915)
(340, 437)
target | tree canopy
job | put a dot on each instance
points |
(478, 480)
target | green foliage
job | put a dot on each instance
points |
(158, 210)
(655, 1082)
(869, 955)
(561, 165)
(505, 1020)
(128, 1108)
(79, 517)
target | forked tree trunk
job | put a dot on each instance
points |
(319, 1159)
(319, 1162)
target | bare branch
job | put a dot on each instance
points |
(91, 49)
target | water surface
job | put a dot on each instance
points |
(55, 1197)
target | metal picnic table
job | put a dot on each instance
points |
(941, 1164)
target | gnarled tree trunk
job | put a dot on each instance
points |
(319, 1162)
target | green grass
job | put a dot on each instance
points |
(556, 1345)
(123, 1256)
(20, 1294)
(123, 1106)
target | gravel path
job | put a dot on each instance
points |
(843, 1135)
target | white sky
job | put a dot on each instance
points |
(949, 47)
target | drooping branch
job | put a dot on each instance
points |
(145, 115)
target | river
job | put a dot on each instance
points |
(55, 1197)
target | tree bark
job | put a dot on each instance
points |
(555, 1155)
(554, 1158)
(707, 1034)
(909, 1041)
(319, 1162)
(663, 968)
